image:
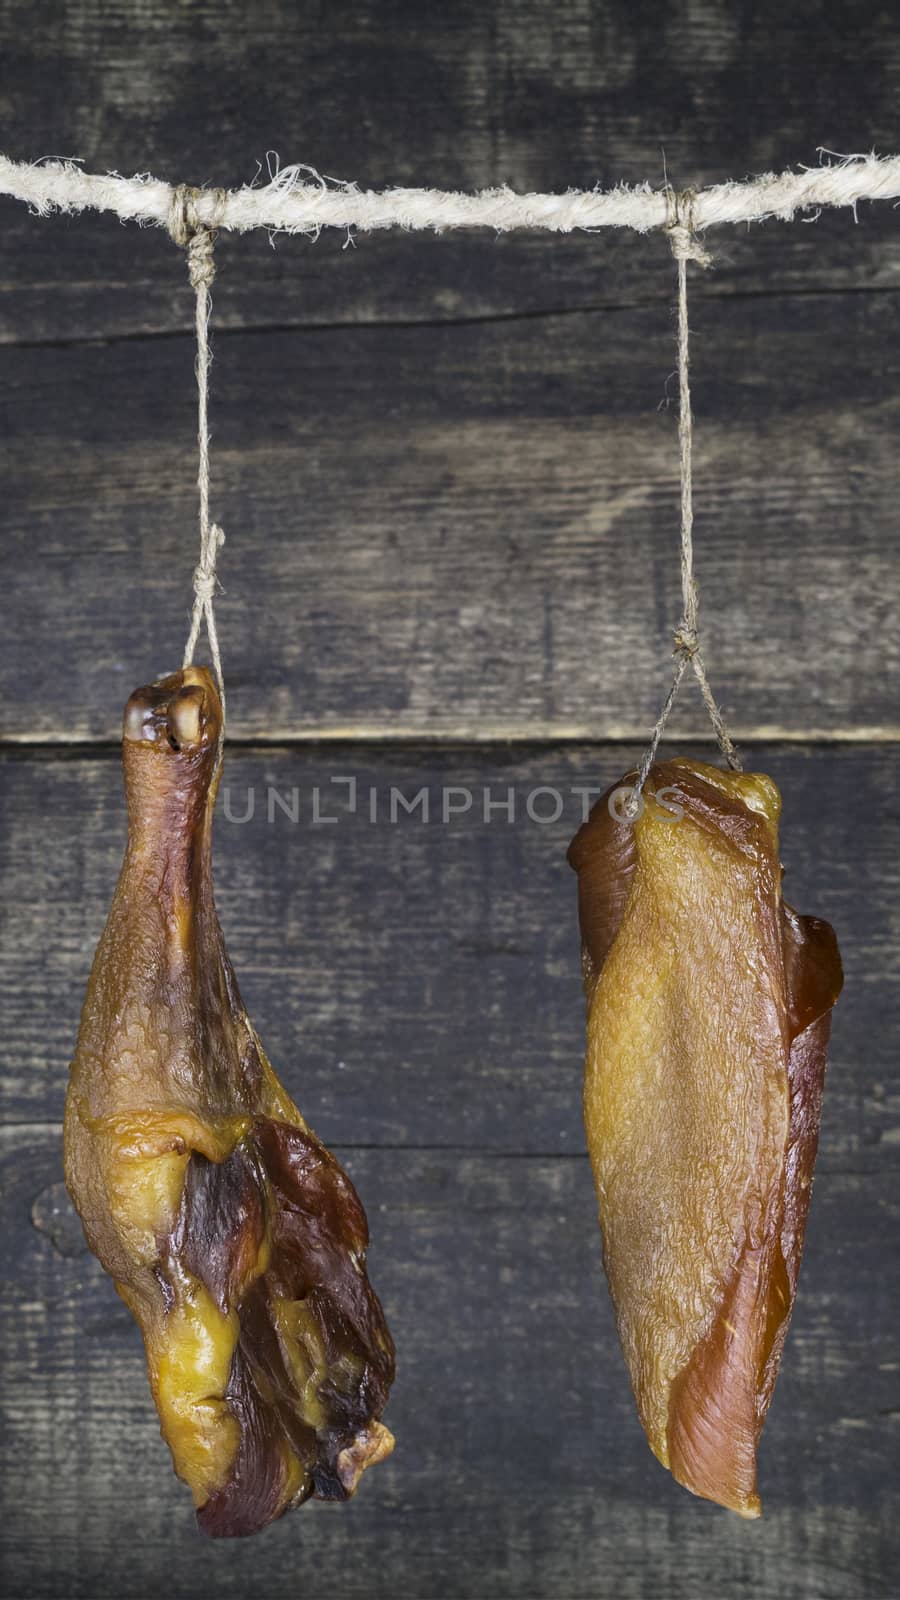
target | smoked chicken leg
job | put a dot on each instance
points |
(232, 1234)
(709, 1010)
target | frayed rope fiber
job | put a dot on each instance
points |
(298, 200)
(289, 203)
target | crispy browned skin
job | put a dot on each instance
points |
(232, 1234)
(709, 1009)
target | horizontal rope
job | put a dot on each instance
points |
(298, 200)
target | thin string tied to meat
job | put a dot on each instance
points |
(198, 239)
(686, 247)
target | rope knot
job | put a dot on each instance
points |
(204, 584)
(194, 233)
(687, 641)
(679, 228)
(200, 258)
(183, 221)
(205, 579)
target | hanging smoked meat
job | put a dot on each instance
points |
(709, 1010)
(232, 1234)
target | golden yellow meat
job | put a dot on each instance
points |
(232, 1234)
(709, 1006)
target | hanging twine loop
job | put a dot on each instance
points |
(198, 238)
(686, 247)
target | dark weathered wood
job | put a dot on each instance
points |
(459, 96)
(69, 279)
(420, 984)
(520, 1469)
(464, 530)
(437, 530)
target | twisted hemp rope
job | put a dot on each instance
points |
(298, 200)
(685, 247)
(198, 238)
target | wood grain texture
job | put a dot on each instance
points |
(459, 97)
(419, 984)
(465, 531)
(496, 499)
(520, 1469)
(451, 507)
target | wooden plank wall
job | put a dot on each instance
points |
(447, 474)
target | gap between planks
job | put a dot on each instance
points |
(224, 328)
(479, 733)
